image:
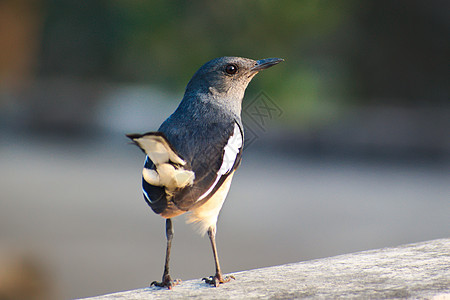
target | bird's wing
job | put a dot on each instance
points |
(164, 170)
(157, 147)
(212, 166)
(231, 156)
(209, 164)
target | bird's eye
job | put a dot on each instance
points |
(231, 69)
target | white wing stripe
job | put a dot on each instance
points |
(231, 151)
(209, 190)
(229, 157)
(146, 195)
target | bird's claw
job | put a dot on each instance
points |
(218, 279)
(167, 282)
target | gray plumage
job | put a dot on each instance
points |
(205, 138)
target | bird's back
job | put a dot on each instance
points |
(199, 138)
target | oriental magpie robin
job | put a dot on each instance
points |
(191, 159)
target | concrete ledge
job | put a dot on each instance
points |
(419, 271)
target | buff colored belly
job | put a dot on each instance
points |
(206, 215)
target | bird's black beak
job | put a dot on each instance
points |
(266, 63)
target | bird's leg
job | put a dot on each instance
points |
(218, 277)
(166, 280)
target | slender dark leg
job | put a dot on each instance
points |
(166, 280)
(218, 278)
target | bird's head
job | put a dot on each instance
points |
(227, 77)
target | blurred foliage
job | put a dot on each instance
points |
(337, 52)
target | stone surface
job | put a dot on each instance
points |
(419, 271)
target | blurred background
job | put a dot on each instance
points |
(347, 141)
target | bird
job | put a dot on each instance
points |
(190, 161)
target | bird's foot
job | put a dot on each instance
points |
(218, 279)
(167, 282)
